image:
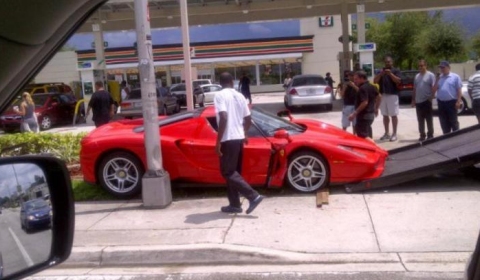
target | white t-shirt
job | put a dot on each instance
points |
(124, 94)
(234, 103)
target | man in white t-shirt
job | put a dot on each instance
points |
(233, 118)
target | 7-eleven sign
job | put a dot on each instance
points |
(325, 21)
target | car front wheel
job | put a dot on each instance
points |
(307, 172)
(120, 174)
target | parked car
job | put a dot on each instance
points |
(132, 106)
(50, 108)
(309, 155)
(35, 213)
(308, 90)
(466, 101)
(180, 91)
(406, 85)
(48, 88)
(206, 93)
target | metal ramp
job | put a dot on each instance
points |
(451, 151)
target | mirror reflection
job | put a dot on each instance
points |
(25, 217)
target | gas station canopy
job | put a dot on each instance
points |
(119, 14)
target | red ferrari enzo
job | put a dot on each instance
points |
(305, 154)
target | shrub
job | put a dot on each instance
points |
(64, 146)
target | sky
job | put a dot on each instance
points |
(25, 174)
(467, 17)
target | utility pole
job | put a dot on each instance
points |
(156, 188)
(186, 54)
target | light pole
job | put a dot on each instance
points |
(186, 54)
(156, 188)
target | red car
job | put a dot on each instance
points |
(305, 154)
(51, 109)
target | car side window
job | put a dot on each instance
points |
(216, 88)
(63, 99)
(39, 90)
(252, 131)
(52, 89)
(206, 89)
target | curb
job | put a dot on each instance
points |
(225, 254)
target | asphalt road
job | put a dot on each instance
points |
(21, 249)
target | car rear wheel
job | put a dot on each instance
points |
(46, 123)
(120, 174)
(463, 107)
(307, 172)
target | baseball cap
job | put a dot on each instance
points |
(444, 64)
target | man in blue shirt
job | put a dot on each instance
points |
(448, 88)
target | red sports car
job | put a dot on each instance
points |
(305, 154)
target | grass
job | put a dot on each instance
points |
(83, 191)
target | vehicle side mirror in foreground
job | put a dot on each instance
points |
(282, 134)
(38, 215)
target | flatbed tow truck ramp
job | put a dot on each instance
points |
(447, 152)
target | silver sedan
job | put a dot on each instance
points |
(308, 90)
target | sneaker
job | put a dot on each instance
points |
(393, 138)
(385, 137)
(231, 209)
(254, 203)
(421, 139)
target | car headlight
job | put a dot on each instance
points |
(356, 151)
(31, 218)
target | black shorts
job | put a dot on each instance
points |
(363, 128)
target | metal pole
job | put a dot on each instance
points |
(156, 189)
(186, 54)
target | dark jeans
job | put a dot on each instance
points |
(247, 94)
(476, 108)
(231, 168)
(447, 114)
(425, 114)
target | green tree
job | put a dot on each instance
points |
(445, 41)
(475, 45)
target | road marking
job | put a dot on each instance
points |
(25, 255)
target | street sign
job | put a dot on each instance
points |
(325, 21)
(366, 47)
(105, 44)
(367, 26)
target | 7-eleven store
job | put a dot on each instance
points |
(265, 61)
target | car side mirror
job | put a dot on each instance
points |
(43, 186)
(282, 134)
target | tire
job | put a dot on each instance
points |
(463, 108)
(120, 174)
(305, 167)
(329, 107)
(46, 123)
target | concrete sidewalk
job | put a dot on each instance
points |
(428, 226)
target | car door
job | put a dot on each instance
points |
(67, 107)
(54, 109)
(256, 154)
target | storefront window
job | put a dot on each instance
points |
(270, 74)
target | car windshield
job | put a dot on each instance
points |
(270, 123)
(308, 81)
(36, 204)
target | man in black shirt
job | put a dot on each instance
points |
(388, 79)
(366, 106)
(348, 93)
(329, 80)
(101, 104)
